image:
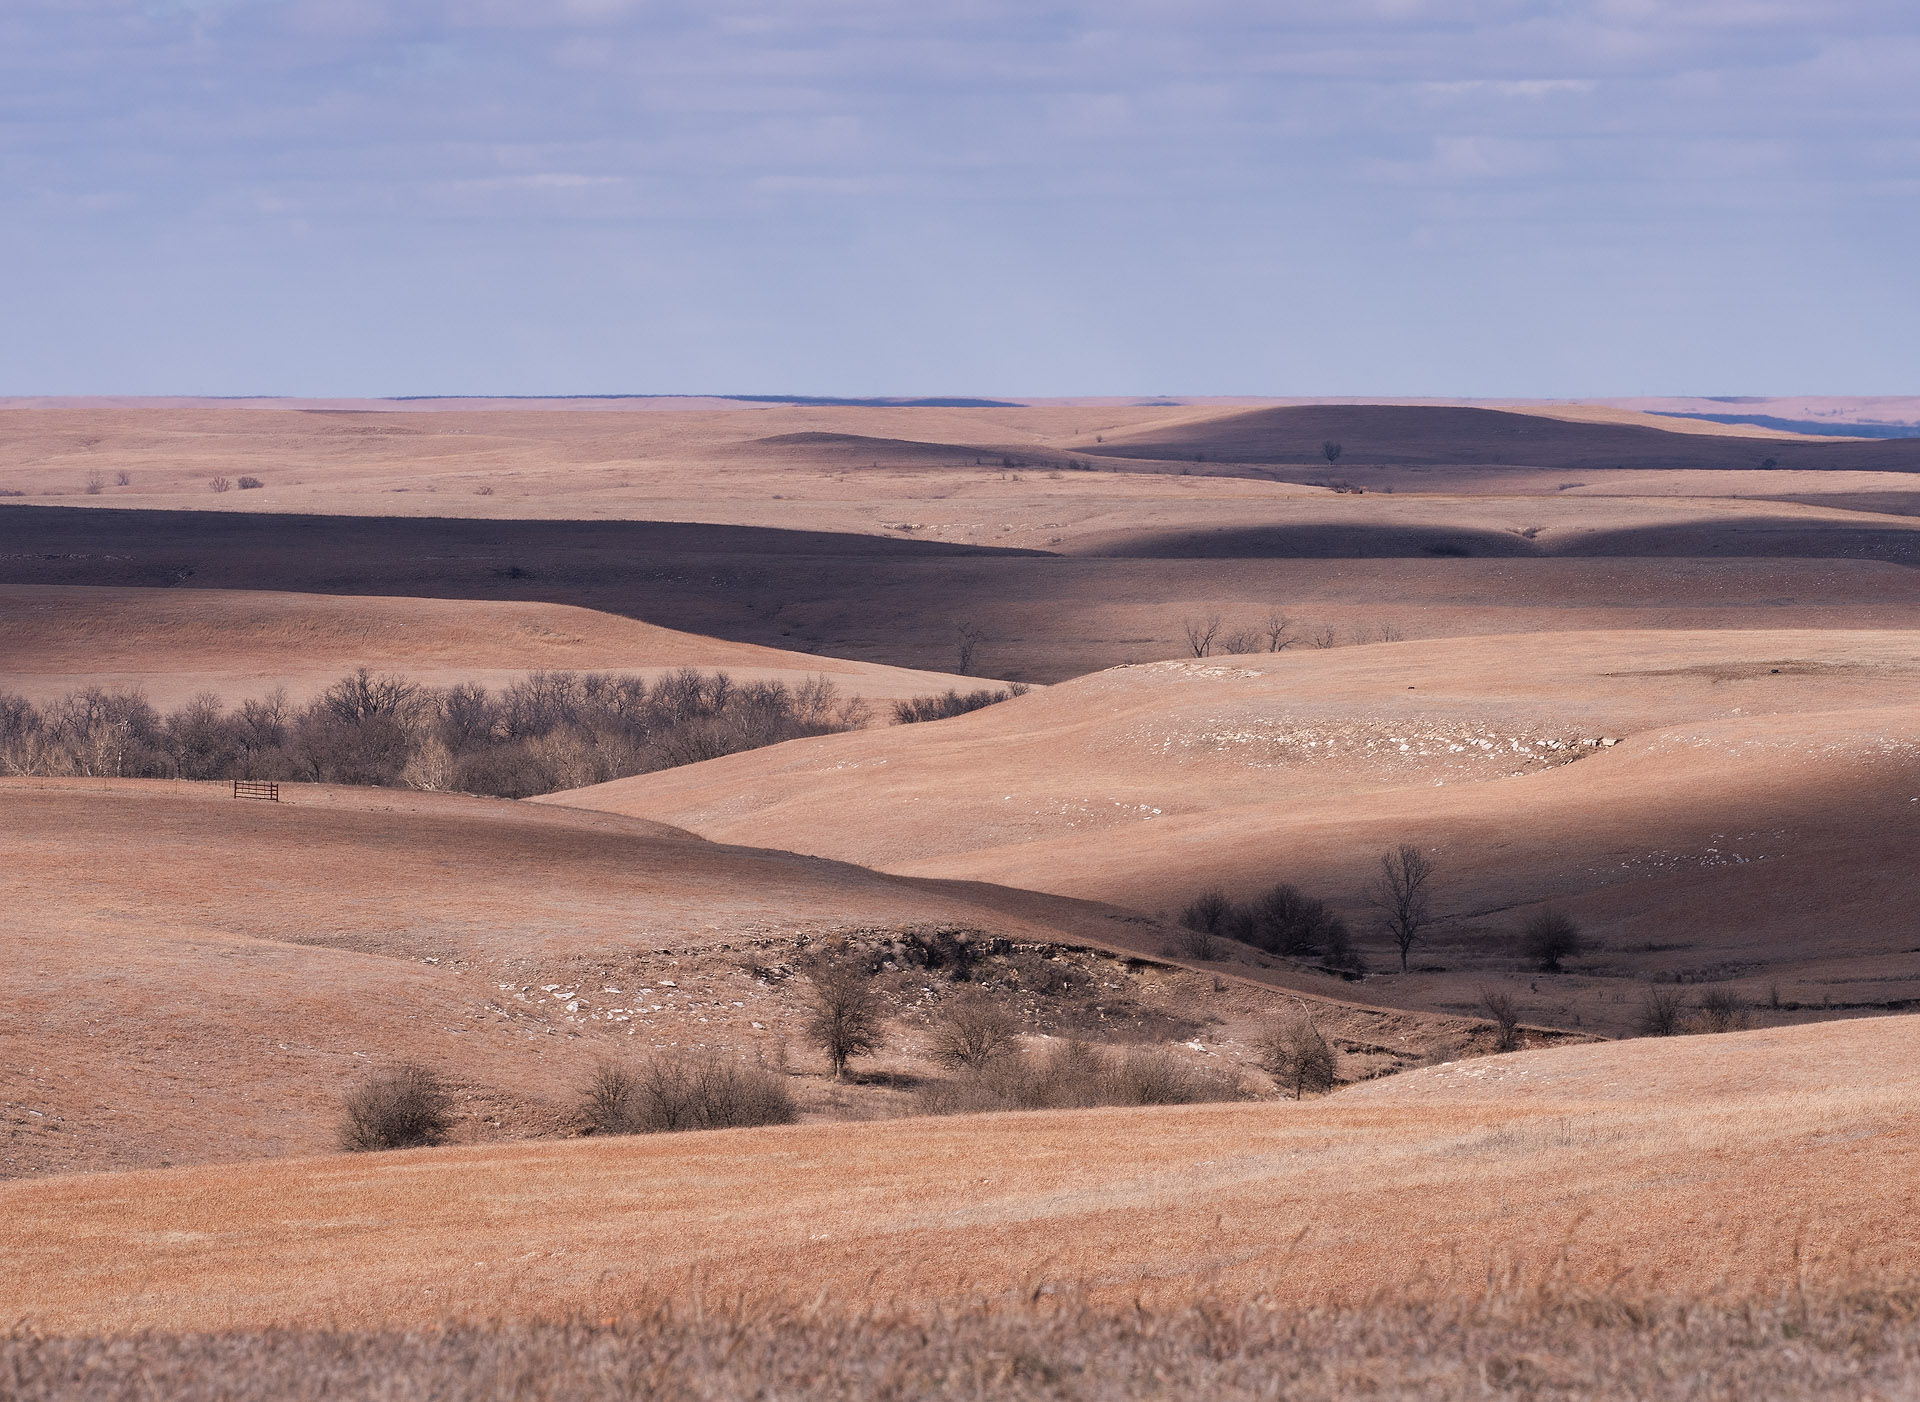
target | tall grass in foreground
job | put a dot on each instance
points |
(1791, 1351)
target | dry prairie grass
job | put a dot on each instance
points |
(1526, 1344)
(1716, 1169)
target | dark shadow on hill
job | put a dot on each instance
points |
(1878, 503)
(1767, 538)
(858, 448)
(1395, 435)
(1330, 542)
(1777, 539)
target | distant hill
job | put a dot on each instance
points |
(1412, 435)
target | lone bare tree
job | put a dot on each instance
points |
(1279, 631)
(970, 1032)
(967, 637)
(1551, 936)
(844, 1021)
(1500, 1007)
(1201, 632)
(1332, 450)
(1402, 897)
(1298, 1057)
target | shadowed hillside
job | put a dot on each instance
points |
(1044, 616)
(1402, 435)
(1744, 827)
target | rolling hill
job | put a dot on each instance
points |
(1718, 806)
(1440, 435)
(1714, 1169)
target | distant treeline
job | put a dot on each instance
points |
(552, 730)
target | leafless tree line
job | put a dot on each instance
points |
(548, 731)
(1207, 633)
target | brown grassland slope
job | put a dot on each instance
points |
(1746, 822)
(1042, 617)
(1659, 675)
(201, 977)
(171, 644)
(1734, 1166)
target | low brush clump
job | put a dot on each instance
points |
(1282, 920)
(952, 703)
(550, 731)
(1229, 1350)
(672, 1091)
(1075, 1075)
(407, 1107)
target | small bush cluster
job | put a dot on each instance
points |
(1550, 937)
(1666, 1012)
(552, 730)
(952, 703)
(248, 484)
(1074, 1075)
(672, 1091)
(970, 1034)
(1282, 920)
(1298, 1057)
(406, 1107)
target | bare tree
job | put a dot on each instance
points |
(970, 1032)
(1298, 1057)
(1551, 936)
(1388, 632)
(1279, 631)
(1324, 636)
(1661, 1012)
(1201, 632)
(1332, 450)
(1500, 1007)
(1402, 897)
(845, 1019)
(1241, 640)
(968, 635)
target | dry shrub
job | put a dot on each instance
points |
(969, 1033)
(1200, 944)
(1721, 1010)
(845, 1018)
(1298, 1057)
(1209, 911)
(220, 484)
(406, 1107)
(1662, 1011)
(682, 1091)
(249, 484)
(1076, 1075)
(1499, 1005)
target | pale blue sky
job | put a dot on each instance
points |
(1591, 197)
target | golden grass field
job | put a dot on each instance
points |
(1731, 1166)
(1585, 657)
